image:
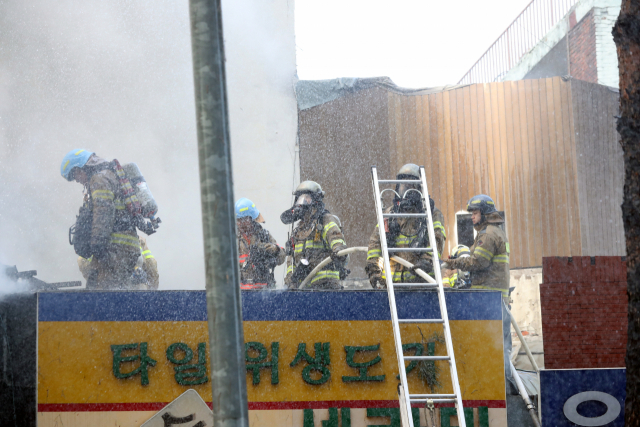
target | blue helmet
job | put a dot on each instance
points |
(74, 159)
(246, 208)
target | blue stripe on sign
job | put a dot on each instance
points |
(264, 306)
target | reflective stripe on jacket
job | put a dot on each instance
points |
(315, 244)
(489, 259)
(408, 233)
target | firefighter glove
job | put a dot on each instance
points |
(422, 264)
(339, 259)
(377, 282)
(269, 248)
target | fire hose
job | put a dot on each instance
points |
(348, 251)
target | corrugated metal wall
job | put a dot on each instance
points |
(600, 169)
(339, 142)
(511, 140)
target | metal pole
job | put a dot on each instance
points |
(226, 341)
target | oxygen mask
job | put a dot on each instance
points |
(411, 200)
(303, 204)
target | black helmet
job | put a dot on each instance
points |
(481, 203)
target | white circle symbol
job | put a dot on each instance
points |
(570, 408)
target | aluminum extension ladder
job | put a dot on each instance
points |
(403, 389)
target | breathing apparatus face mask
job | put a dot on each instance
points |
(410, 199)
(303, 204)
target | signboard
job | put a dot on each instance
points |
(310, 356)
(188, 410)
(583, 397)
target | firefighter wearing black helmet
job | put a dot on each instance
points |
(405, 233)
(488, 262)
(316, 236)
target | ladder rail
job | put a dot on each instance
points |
(443, 305)
(404, 400)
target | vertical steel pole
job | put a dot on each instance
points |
(226, 342)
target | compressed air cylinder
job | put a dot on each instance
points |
(147, 202)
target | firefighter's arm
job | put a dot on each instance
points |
(333, 236)
(278, 253)
(480, 258)
(150, 266)
(438, 227)
(104, 210)
(374, 255)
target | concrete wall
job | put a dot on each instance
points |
(526, 299)
(116, 77)
(607, 57)
(554, 63)
(594, 48)
(261, 72)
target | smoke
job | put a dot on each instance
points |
(114, 77)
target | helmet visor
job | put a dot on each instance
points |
(304, 199)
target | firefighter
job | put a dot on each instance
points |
(405, 233)
(317, 235)
(457, 278)
(112, 240)
(258, 251)
(145, 275)
(488, 262)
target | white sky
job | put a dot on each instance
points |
(417, 43)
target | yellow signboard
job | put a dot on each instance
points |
(127, 354)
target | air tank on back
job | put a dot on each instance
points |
(147, 202)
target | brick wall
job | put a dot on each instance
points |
(583, 302)
(582, 49)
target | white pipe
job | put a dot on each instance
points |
(524, 343)
(524, 394)
(327, 260)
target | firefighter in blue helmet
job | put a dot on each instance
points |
(104, 229)
(258, 251)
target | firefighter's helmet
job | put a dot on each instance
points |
(409, 171)
(74, 159)
(481, 203)
(246, 208)
(309, 187)
(460, 251)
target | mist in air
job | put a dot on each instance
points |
(114, 77)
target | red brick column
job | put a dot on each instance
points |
(582, 49)
(583, 302)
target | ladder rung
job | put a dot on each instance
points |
(426, 357)
(416, 285)
(420, 321)
(404, 215)
(409, 250)
(432, 396)
(434, 400)
(399, 181)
